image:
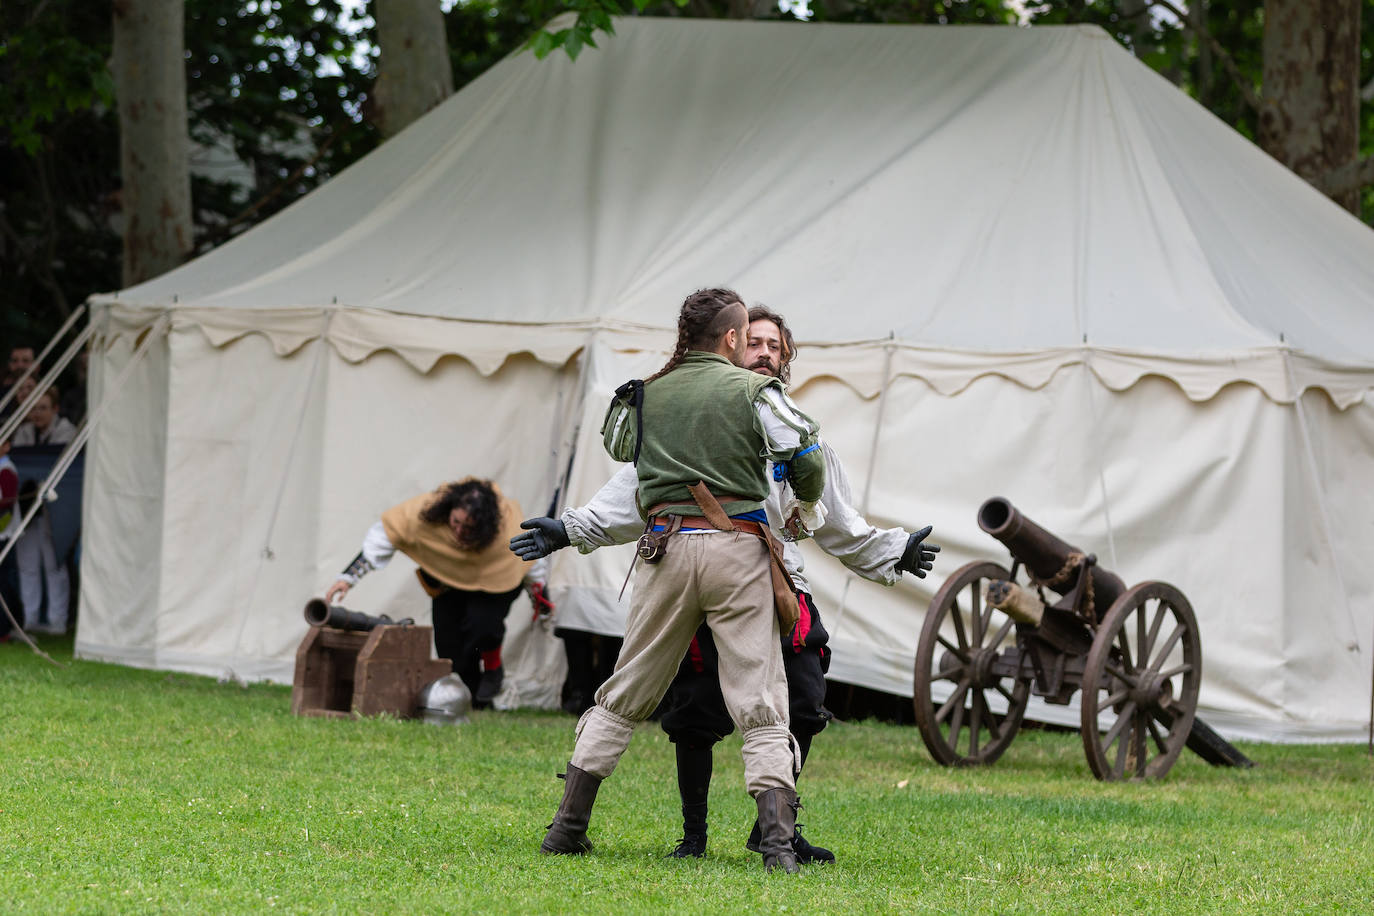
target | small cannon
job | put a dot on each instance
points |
(351, 663)
(320, 614)
(1133, 652)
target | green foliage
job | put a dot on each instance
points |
(46, 74)
(589, 17)
(59, 155)
(282, 85)
(277, 97)
(142, 791)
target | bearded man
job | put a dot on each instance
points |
(699, 427)
(695, 718)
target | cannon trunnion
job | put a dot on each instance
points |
(989, 641)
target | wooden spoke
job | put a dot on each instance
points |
(975, 601)
(955, 699)
(1123, 719)
(1167, 647)
(1121, 675)
(1002, 632)
(958, 653)
(957, 618)
(1140, 641)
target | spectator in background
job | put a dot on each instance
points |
(20, 395)
(9, 511)
(44, 425)
(21, 358)
(42, 574)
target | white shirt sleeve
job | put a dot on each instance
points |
(377, 547)
(845, 534)
(611, 517)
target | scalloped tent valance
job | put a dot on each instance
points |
(356, 334)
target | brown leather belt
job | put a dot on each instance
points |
(701, 523)
(714, 517)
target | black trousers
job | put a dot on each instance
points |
(695, 709)
(466, 624)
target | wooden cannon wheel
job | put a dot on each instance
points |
(963, 730)
(1142, 675)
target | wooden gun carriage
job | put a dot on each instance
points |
(989, 642)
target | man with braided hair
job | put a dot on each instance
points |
(701, 485)
(457, 534)
(695, 717)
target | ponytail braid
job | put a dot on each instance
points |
(698, 324)
(679, 354)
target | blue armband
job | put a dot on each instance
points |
(808, 450)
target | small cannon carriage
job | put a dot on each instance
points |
(989, 642)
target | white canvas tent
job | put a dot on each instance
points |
(1020, 263)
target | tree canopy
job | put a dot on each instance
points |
(279, 98)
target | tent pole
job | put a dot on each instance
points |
(38, 360)
(1323, 511)
(1088, 376)
(560, 484)
(315, 372)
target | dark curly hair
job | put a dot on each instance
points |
(789, 346)
(475, 497)
(705, 317)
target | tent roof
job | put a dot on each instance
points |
(979, 189)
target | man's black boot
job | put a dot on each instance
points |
(567, 834)
(777, 823)
(490, 684)
(806, 853)
(694, 785)
(693, 842)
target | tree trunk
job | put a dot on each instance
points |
(149, 68)
(414, 73)
(1309, 120)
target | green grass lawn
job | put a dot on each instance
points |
(141, 791)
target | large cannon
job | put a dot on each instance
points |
(989, 642)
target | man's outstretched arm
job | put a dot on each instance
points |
(610, 518)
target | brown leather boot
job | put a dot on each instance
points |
(567, 834)
(777, 821)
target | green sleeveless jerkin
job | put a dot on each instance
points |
(700, 423)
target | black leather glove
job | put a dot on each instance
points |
(918, 556)
(546, 536)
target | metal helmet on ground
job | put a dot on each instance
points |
(446, 701)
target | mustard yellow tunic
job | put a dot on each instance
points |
(494, 569)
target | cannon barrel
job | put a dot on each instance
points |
(318, 613)
(1043, 554)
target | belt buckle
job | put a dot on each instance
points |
(649, 548)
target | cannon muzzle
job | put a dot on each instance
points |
(318, 613)
(1045, 556)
